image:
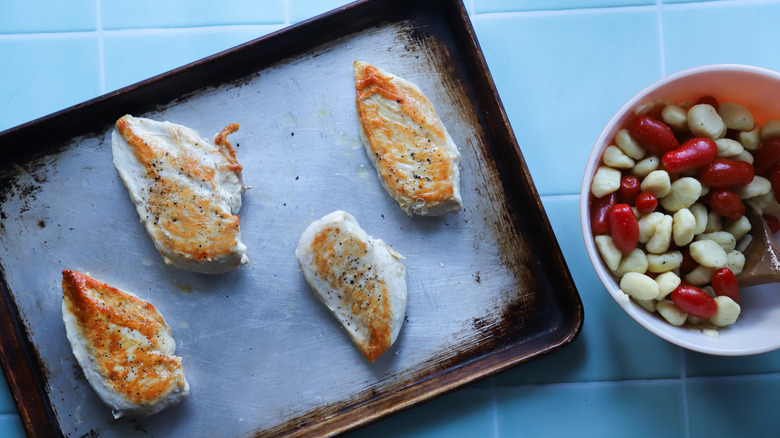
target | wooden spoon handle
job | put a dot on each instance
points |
(762, 256)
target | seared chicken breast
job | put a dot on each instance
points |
(410, 148)
(123, 345)
(187, 191)
(359, 279)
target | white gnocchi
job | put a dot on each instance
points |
(683, 242)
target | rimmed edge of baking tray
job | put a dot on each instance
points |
(20, 360)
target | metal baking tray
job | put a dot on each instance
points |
(488, 286)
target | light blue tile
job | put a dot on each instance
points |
(687, 1)
(551, 5)
(611, 346)
(7, 405)
(465, 413)
(11, 426)
(749, 34)
(698, 364)
(132, 57)
(734, 407)
(303, 9)
(47, 16)
(623, 409)
(561, 77)
(120, 14)
(30, 88)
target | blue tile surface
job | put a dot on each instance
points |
(6, 399)
(612, 409)
(47, 16)
(30, 89)
(688, 1)
(750, 24)
(304, 9)
(11, 426)
(698, 364)
(733, 407)
(551, 5)
(467, 413)
(562, 68)
(119, 14)
(577, 84)
(132, 57)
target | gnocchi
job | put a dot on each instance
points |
(685, 243)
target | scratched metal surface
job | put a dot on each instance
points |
(258, 348)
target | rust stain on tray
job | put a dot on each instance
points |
(22, 185)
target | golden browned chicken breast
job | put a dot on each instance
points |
(407, 143)
(123, 345)
(360, 279)
(187, 191)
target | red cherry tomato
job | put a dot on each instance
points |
(723, 173)
(727, 204)
(646, 202)
(709, 100)
(767, 155)
(599, 207)
(688, 263)
(629, 188)
(694, 301)
(724, 282)
(774, 178)
(653, 135)
(623, 227)
(773, 222)
(693, 154)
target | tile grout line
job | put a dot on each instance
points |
(494, 409)
(101, 48)
(640, 382)
(286, 7)
(684, 390)
(563, 196)
(557, 12)
(134, 31)
(661, 46)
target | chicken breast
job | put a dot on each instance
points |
(410, 148)
(187, 191)
(123, 345)
(359, 279)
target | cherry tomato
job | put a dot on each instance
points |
(773, 222)
(599, 207)
(694, 301)
(727, 204)
(723, 173)
(653, 135)
(688, 263)
(623, 227)
(724, 282)
(709, 100)
(767, 155)
(774, 178)
(646, 202)
(629, 188)
(693, 154)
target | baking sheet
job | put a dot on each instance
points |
(487, 286)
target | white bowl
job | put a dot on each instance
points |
(758, 328)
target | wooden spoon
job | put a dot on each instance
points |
(762, 256)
